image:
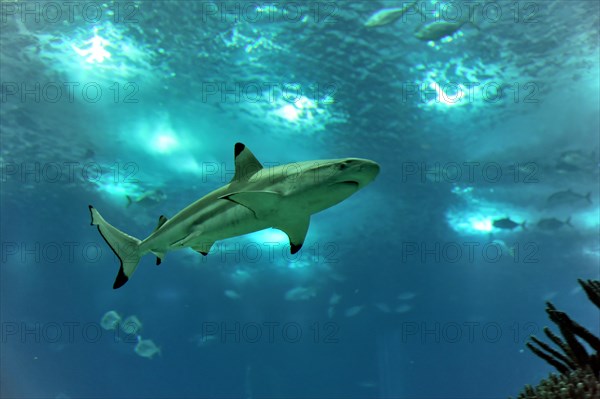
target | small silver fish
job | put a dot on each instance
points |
(507, 224)
(576, 161)
(553, 223)
(568, 197)
(146, 348)
(149, 197)
(388, 15)
(439, 29)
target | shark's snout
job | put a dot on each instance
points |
(370, 170)
(359, 171)
(370, 167)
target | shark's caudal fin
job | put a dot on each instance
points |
(124, 246)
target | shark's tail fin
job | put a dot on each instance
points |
(124, 246)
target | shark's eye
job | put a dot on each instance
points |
(342, 166)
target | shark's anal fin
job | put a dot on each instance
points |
(261, 203)
(296, 231)
(246, 163)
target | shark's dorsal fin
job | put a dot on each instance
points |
(296, 231)
(246, 163)
(261, 203)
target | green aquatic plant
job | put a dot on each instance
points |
(579, 370)
(580, 384)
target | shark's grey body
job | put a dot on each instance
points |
(283, 197)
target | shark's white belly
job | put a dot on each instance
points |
(235, 221)
(216, 222)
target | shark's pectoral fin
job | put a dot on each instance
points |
(246, 163)
(261, 203)
(296, 231)
(203, 247)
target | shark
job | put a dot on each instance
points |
(282, 197)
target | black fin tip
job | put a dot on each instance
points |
(295, 248)
(239, 147)
(121, 279)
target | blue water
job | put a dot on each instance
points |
(404, 290)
